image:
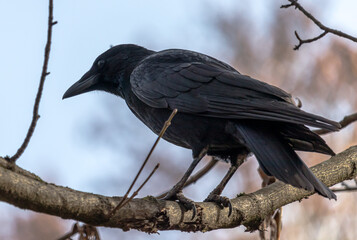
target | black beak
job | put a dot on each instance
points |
(86, 84)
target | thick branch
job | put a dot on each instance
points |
(150, 215)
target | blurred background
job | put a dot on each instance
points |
(94, 143)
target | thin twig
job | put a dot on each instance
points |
(303, 41)
(318, 23)
(349, 189)
(85, 232)
(122, 203)
(75, 230)
(138, 190)
(162, 132)
(194, 178)
(274, 221)
(44, 73)
(346, 188)
(347, 120)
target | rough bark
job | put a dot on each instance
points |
(25, 190)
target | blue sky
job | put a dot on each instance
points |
(84, 30)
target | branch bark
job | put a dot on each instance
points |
(25, 190)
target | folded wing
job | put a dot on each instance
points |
(197, 84)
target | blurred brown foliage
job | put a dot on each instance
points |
(36, 226)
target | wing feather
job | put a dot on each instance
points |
(197, 84)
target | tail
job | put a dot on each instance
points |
(277, 158)
(303, 139)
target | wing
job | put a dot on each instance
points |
(197, 84)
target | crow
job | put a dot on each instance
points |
(221, 113)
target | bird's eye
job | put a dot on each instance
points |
(100, 63)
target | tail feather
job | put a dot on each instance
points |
(277, 158)
(303, 139)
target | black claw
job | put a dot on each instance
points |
(230, 208)
(221, 202)
(190, 206)
(194, 212)
(186, 202)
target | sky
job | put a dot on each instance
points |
(59, 151)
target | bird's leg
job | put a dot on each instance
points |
(171, 195)
(215, 195)
(176, 191)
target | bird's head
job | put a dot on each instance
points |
(110, 71)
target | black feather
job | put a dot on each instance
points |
(278, 159)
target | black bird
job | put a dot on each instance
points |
(221, 112)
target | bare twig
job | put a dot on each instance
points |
(70, 234)
(44, 73)
(267, 180)
(347, 120)
(278, 222)
(85, 232)
(122, 203)
(318, 23)
(303, 41)
(194, 178)
(138, 190)
(124, 199)
(346, 188)
(273, 222)
(349, 189)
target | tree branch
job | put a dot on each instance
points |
(44, 74)
(317, 23)
(20, 188)
(347, 120)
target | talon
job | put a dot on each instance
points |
(230, 208)
(221, 202)
(186, 202)
(192, 207)
(194, 211)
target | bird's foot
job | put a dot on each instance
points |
(221, 201)
(186, 202)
